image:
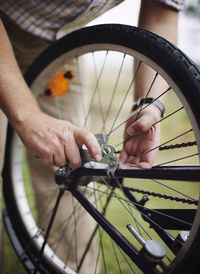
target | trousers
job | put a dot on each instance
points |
(26, 48)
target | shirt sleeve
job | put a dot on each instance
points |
(174, 4)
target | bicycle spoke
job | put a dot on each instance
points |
(179, 159)
(81, 88)
(127, 261)
(114, 91)
(144, 107)
(95, 90)
(101, 238)
(148, 91)
(114, 250)
(51, 221)
(75, 234)
(126, 94)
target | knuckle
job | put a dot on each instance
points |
(59, 160)
(46, 153)
(55, 145)
(47, 161)
(61, 163)
(46, 156)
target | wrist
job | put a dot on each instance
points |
(20, 118)
(148, 101)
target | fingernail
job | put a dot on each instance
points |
(98, 157)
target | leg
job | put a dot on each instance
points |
(66, 107)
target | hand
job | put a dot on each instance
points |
(140, 137)
(55, 141)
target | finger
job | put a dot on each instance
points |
(148, 159)
(141, 125)
(145, 165)
(54, 153)
(59, 157)
(133, 160)
(53, 159)
(123, 157)
(90, 141)
(72, 154)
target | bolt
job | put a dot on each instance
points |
(106, 150)
(63, 171)
(112, 162)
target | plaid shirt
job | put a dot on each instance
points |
(45, 18)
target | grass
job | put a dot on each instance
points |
(12, 263)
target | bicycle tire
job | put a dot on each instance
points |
(175, 67)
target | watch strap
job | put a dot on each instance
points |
(149, 101)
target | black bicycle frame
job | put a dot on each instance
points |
(186, 173)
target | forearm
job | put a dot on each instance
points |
(159, 19)
(16, 99)
(163, 21)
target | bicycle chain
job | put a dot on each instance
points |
(188, 144)
(164, 196)
(174, 198)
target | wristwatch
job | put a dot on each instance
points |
(149, 101)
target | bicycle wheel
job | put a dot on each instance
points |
(161, 204)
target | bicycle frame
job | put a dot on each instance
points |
(70, 179)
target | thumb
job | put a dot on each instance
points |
(140, 126)
(88, 139)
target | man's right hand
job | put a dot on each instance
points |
(55, 141)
